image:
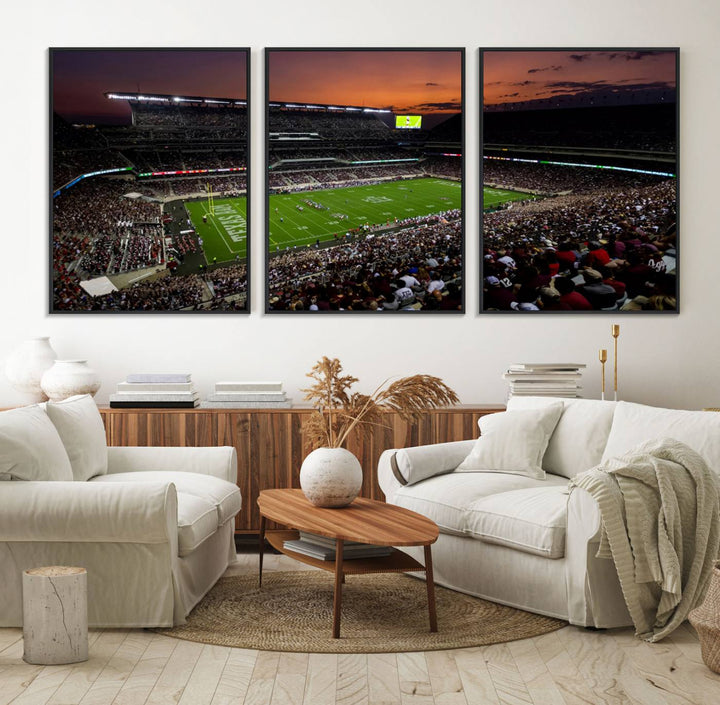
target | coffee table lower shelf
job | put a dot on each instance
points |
(396, 562)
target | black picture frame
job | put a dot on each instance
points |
(512, 132)
(206, 138)
(271, 289)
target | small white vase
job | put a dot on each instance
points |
(331, 477)
(66, 378)
(25, 366)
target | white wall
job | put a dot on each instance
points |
(666, 360)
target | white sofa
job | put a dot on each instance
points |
(529, 542)
(154, 527)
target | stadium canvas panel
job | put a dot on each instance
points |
(580, 180)
(364, 180)
(149, 187)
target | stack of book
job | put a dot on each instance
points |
(155, 391)
(545, 379)
(247, 395)
(323, 548)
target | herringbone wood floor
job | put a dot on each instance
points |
(570, 666)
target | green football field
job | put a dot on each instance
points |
(224, 235)
(295, 222)
(493, 197)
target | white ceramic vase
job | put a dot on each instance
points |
(331, 477)
(25, 367)
(66, 378)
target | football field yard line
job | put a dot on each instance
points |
(215, 236)
(286, 231)
(222, 237)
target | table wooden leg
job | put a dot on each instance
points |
(430, 588)
(337, 597)
(261, 549)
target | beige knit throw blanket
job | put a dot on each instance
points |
(660, 524)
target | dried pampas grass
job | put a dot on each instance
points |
(338, 410)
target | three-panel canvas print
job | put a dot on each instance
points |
(364, 181)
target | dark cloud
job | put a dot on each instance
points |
(580, 57)
(522, 83)
(510, 95)
(575, 85)
(578, 87)
(544, 68)
(430, 83)
(600, 89)
(629, 55)
(640, 55)
(444, 106)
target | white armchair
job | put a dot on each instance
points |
(154, 532)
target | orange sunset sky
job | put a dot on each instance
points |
(406, 81)
(516, 76)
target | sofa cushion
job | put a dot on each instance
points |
(513, 442)
(30, 447)
(421, 462)
(197, 521)
(446, 499)
(532, 520)
(81, 429)
(580, 437)
(223, 495)
(635, 423)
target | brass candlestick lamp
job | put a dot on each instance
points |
(615, 330)
(603, 360)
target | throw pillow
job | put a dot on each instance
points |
(30, 447)
(80, 426)
(579, 439)
(411, 465)
(513, 442)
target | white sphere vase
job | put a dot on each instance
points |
(26, 365)
(331, 477)
(66, 378)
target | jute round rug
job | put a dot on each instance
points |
(380, 613)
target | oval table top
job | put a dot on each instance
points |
(364, 520)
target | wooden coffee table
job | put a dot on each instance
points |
(365, 520)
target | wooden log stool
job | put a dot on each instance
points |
(55, 625)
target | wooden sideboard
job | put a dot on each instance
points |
(270, 443)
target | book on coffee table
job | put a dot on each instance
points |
(327, 553)
(326, 541)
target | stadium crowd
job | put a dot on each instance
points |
(119, 233)
(228, 281)
(551, 179)
(411, 268)
(350, 127)
(223, 288)
(611, 249)
(291, 181)
(192, 116)
(146, 160)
